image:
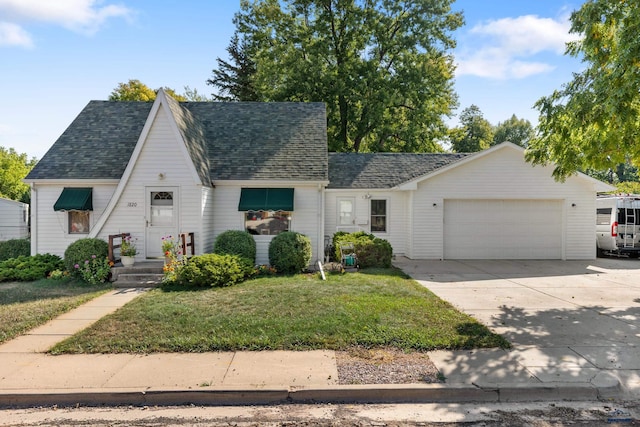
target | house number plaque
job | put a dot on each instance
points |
(132, 204)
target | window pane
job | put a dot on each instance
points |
(379, 224)
(78, 222)
(604, 216)
(267, 223)
(378, 207)
(161, 208)
(378, 216)
(346, 212)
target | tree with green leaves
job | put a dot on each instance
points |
(593, 121)
(383, 67)
(475, 133)
(234, 79)
(135, 90)
(515, 130)
(14, 167)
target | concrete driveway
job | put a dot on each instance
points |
(568, 321)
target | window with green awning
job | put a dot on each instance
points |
(266, 199)
(75, 199)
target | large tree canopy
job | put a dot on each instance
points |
(14, 167)
(382, 66)
(475, 133)
(594, 120)
(135, 90)
(518, 131)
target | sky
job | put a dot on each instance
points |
(56, 56)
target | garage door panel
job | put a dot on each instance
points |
(503, 229)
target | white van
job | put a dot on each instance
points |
(618, 225)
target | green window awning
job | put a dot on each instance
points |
(75, 199)
(266, 199)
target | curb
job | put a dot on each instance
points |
(391, 393)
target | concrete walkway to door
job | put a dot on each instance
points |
(569, 321)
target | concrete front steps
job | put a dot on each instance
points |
(143, 274)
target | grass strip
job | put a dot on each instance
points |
(27, 305)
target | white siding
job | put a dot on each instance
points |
(13, 220)
(208, 233)
(397, 215)
(162, 164)
(502, 174)
(52, 234)
(306, 218)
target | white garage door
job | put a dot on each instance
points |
(503, 229)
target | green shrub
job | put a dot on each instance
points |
(370, 250)
(81, 250)
(29, 268)
(236, 242)
(14, 248)
(290, 252)
(213, 270)
(94, 270)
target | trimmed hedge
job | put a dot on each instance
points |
(14, 248)
(236, 242)
(290, 252)
(370, 250)
(213, 270)
(29, 268)
(82, 250)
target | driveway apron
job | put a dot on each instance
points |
(568, 321)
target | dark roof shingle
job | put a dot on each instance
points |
(226, 141)
(97, 145)
(383, 170)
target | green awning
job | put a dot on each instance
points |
(266, 199)
(75, 199)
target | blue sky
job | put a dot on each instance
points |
(55, 56)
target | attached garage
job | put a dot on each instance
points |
(502, 229)
(486, 205)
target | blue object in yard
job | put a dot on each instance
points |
(350, 260)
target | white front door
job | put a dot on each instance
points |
(162, 218)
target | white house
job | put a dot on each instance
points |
(14, 217)
(163, 168)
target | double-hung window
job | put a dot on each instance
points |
(378, 216)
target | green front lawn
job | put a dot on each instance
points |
(378, 308)
(26, 305)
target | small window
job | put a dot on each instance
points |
(603, 216)
(267, 223)
(78, 222)
(378, 216)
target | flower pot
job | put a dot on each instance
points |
(127, 261)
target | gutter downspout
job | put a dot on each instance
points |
(33, 209)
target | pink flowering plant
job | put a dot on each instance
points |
(95, 270)
(128, 247)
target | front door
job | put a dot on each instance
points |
(162, 218)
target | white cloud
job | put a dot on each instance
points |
(84, 16)
(509, 46)
(14, 35)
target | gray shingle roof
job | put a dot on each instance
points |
(97, 144)
(383, 170)
(227, 141)
(254, 140)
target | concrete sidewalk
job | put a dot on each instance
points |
(562, 350)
